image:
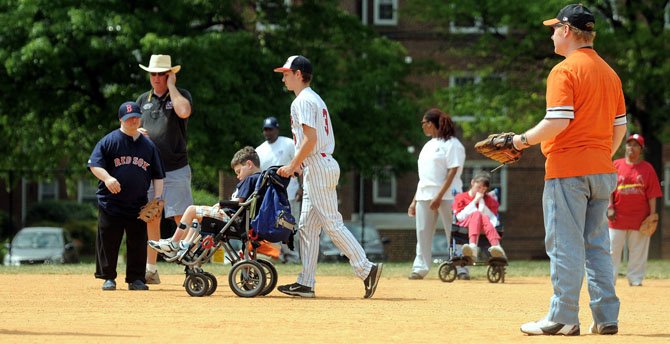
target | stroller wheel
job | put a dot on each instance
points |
(247, 278)
(213, 283)
(196, 284)
(496, 273)
(270, 276)
(447, 272)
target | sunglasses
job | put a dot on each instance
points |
(159, 74)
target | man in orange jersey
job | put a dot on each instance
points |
(583, 127)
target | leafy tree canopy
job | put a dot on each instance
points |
(67, 65)
(632, 36)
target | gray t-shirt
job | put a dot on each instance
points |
(166, 129)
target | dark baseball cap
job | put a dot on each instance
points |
(296, 62)
(129, 110)
(576, 15)
(270, 123)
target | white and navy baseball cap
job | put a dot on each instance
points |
(296, 62)
(270, 123)
(129, 110)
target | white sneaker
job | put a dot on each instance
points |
(497, 251)
(470, 250)
(165, 246)
(549, 328)
(184, 247)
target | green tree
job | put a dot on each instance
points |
(633, 37)
(67, 65)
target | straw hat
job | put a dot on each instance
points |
(160, 63)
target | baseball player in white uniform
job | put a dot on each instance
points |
(278, 151)
(314, 141)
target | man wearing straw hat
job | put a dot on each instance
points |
(165, 112)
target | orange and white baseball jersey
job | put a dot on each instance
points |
(584, 89)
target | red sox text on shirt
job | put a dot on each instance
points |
(126, 160)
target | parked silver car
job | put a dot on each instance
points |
(39, 245)
(372, 243)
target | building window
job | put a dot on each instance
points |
(384, 189)
(47, 191)
(386, 12)
(498, 179)
(86, 189)
(270, 13)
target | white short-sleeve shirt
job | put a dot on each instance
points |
(436, 157)
(279, 153)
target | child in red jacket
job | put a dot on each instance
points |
(477, 211)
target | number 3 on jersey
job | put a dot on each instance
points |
(325, 120)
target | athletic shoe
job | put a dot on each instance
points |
(549, 328)
(464, 276)
(109, 284)
(137, 285)
(296, 289)
(497, 251)
(165, 246)
(470, 250)
(372, 280)
(184, 247)
(635, 284)
(152, 277)
(415, 276)
(604, 329)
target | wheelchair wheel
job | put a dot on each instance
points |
(197, 284)
(447, 272)
(213, 283)
(270, 276)
(247, 278)
(495, 273)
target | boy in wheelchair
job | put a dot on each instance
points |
(246, 164)
(477, 211)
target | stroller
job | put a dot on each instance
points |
(265, 215)
(459, 236)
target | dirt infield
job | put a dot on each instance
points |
(73, 309)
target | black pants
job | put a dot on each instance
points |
(108, 242)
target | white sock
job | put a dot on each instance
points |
(152, 267)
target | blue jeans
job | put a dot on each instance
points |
(577, 241)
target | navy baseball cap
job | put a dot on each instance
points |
(270, 123)
(296, 62)
(129, 110)
(576, 15)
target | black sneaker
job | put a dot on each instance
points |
(296, 289)
(137, 285)
(109, 284)
(372, 280)
(604, 329)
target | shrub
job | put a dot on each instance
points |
(59, 212)
(203, 197)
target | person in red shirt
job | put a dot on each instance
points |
(478, 212)
(633, 200)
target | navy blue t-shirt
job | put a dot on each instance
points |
(134, 163)
(247, 186)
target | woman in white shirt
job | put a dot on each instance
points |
(440, 166)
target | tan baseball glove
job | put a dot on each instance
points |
(499, 147)
(152, 210)
(648, 226)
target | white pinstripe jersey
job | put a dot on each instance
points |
(309, 109)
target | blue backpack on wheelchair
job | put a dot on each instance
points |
(273, 220)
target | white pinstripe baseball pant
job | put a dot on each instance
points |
(319, 211)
